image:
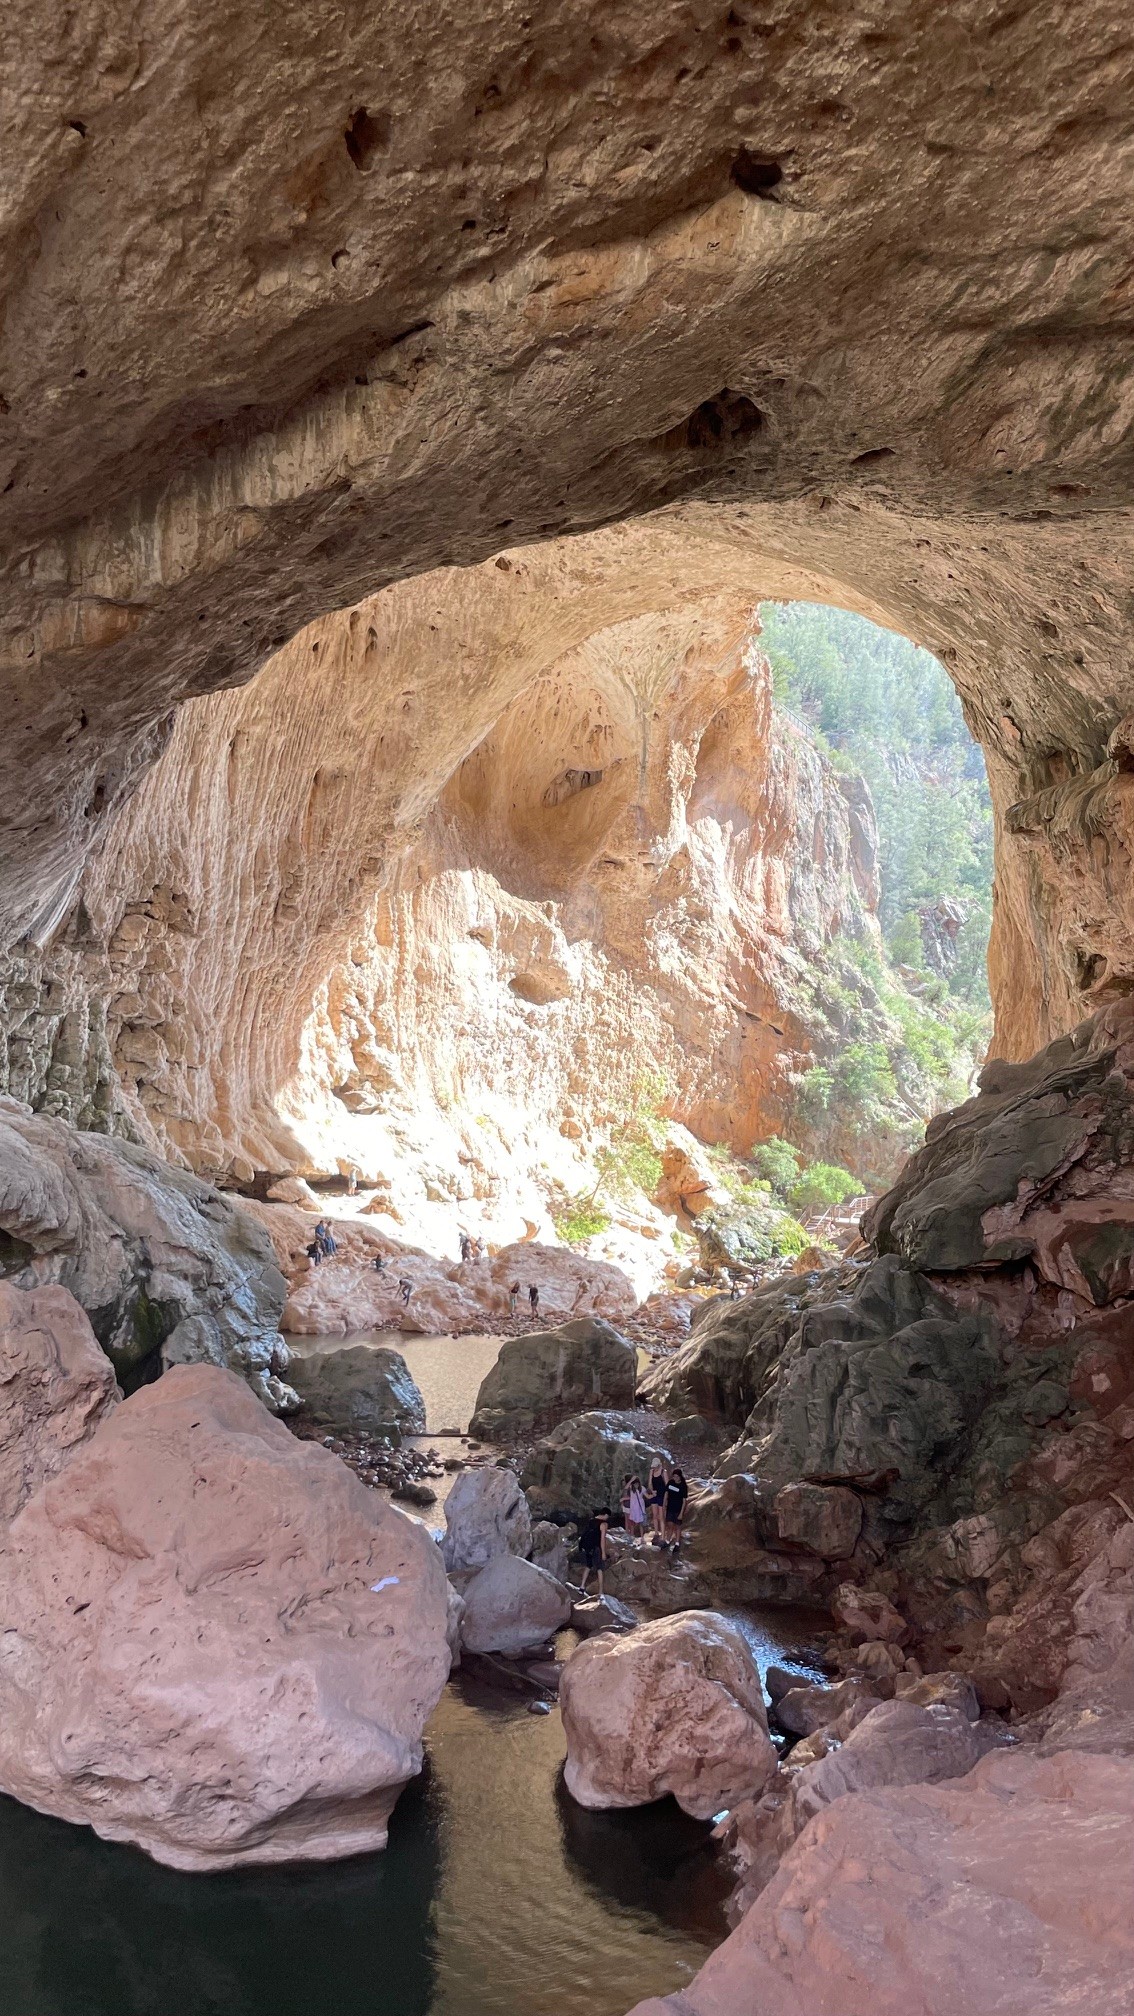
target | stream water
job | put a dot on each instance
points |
(497, 1895)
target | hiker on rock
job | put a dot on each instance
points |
(325, 1240)
(379, 1263)
(533, 1299)
(466, 1246)
(655, 1498)
(592, 1546)
(513, 1298)
(676, 1493)
(405, 1290)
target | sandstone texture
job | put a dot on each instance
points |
(168, 1270)
(196, 1659)
(512, 1606)
(1005, 1893)
(674, 1707)
(486, 1516)
(540, 1379)
(56, 1385)
(364, 1389)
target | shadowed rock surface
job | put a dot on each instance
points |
(365, 1388)
(486, 1515)
(540, 1379)
(582, 1463)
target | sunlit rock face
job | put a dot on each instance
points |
(293, 314)
(351, 922)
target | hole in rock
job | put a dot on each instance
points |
(367, 134)
(756, 174)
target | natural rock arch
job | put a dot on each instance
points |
(793, 269)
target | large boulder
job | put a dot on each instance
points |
(674, 1707)
(824, 1519)
(486, 1515)
(168, 1270)
(512, 1607)
(1033, 1169)
(540, 1379)
(581, 1464)
(364, 1388)
(1009, 1892)
(219, 1645)
(56, 1385)
(897, 1743)
(570, 1284)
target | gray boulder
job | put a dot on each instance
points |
(486, 1517)
(512, 1606)
(168, 1270)
(581, 1464)
(898, 1743)
(362, 1389)
(540, 1379)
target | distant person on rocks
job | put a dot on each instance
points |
(676, 1493)
(379, 1263)
(513, 1298)
(592, 1546)
(352, 1182)
(466, 1245)
(325, 1240)
(655, 1493)
(405, 1290)
(533, 1299)
(315, 1251)
(478, 1247)
(734, 1288)
(634, 1507)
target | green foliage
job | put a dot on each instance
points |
(777, 1162)
(579, 1219)
(789, 1237)
(631, 1159)
(878, 705)
(821, 1187)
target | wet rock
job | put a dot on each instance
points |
(168, 1270)
(601, 1613)
(56, 1385)
(541, 1378)
(674, 1707)
(362, 1389)
(804, 1708)
(193, 1550)
(511, 1606)
(825, 1519)
(410, 1492)
(1004, 1893)
(581, 1464)
(486, 1516)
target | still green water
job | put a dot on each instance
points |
(497, 1896)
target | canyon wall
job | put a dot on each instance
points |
(292, 314)
(347, 924)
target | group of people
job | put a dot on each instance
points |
(659, 1503)
(323, 1245)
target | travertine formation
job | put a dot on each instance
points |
(675, 1707)
(218, 1644)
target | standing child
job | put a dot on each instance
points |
(636, 1511)
(655, 1493)
(592, 1546)
(676, 1492)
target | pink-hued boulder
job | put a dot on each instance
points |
(195, 1657)
(56, 1385)
(1009, 1892)
(676, 1707)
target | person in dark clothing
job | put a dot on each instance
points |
(513, 1298)
(592, 1546)
(325, 1239)
(734, 1289)
(466, 1245)
(405, 1290)
(379, 1263)
(676, 1493)
(315, 1251)
(533, 1299)
(655, 1499)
